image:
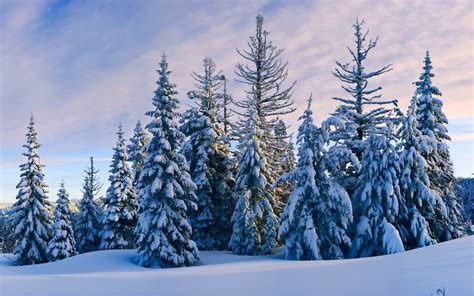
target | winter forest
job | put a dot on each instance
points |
(227, 175)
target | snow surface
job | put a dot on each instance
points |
(417, 272)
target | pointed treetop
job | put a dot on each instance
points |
(310, 100)
(259, 21)
(424, 84)
(120, 131)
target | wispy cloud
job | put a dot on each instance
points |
(83, 66)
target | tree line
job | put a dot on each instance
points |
(223, 175)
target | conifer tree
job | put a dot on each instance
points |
(207, 153)
(265, 76)
(62, 244)
(364, 112)
(88, 221)
(315, 220)
(166, 190)
(31, 211)
(420, 199)
(135, 150)
(284, 157)
(254, 222)
(120, 214)
(377, 202)
(432, 123)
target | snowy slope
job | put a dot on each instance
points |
(419, 272)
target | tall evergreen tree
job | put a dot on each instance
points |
(167, 192)
(254, 222)
(318, 213)
(432, 123)
(267, 96)
(377, 200)
(207, 153)
(120, 213)
(62, 244)
(364, 112)
(420, 199)
(88, 221)
(135, 150)
(31, 211)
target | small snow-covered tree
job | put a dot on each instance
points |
(254, 222)
(364, 112)
(120, 214)
(432, 122)
(265, 75)
(135, 150)
(466, 192)
(315, 220)
(420, 199)
(31, 212)
(166, 190)
(62, 244)
(377, 200)
(88, 221)
(208, 156)
(284, 158)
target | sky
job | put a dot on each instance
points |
(82, 67)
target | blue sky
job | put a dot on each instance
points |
(83, 66)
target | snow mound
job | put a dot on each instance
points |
(419, 272)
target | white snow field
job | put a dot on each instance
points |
(418, 272)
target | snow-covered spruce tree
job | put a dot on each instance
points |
(420, 199)
(254, 222)
(31, 212)
(62, 244)
(265, 76)
(377, 200)
(284, 156)
(208, 157)
(166, 189)
(364, 112)
(88, 221)
(318, 213)
(120, 214)
(432, 123)
(135, 150)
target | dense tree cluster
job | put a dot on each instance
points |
(369, 180)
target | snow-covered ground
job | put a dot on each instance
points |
(418, 272)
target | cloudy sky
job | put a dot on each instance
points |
(82, 67)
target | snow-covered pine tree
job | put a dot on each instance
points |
(377, 200)
(432, 123)
(421, 201)
(88, 221)
(364, 112)
(31, 211)
(254, 222)
(62, 244)
(120, 214)
(318, 213)
(265, 77)
(166, 189)
(284, 156)
(135, 150)
(207, 153)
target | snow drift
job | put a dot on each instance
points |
(419, 272)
